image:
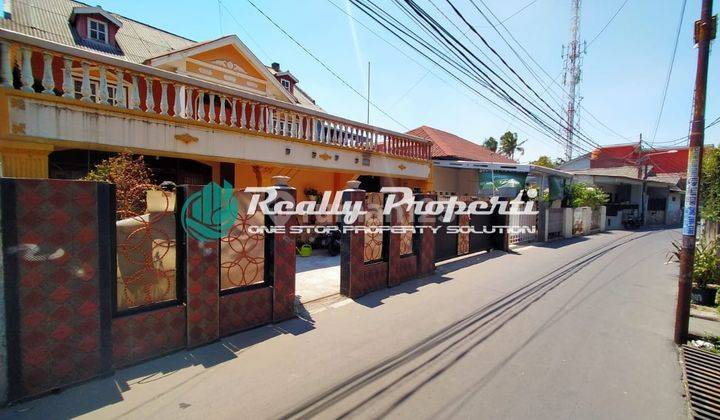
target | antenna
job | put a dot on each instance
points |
(573, 63)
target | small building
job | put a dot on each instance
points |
(462, 167)
(656, 198)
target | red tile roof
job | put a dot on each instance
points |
(449, 146)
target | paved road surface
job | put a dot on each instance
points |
(570, 330)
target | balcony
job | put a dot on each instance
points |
(41, 69)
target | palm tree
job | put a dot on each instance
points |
(491, 144)
(509, 144)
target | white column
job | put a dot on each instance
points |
(134, 94)
(26, 76)
(6, 69)
(243, 120)
(85, 89)
(177, 103)
(233, 113)
(223, 114)
(261, 118)
(68, 84)
(149, 95)
(301, 121)
(163, 98)
(252, 116)
(120, 90)
(103, 95)
(48, 81)
(313, 129)
(211, 109)
(189, 103)
(201, 106)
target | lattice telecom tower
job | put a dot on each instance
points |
(573, 62)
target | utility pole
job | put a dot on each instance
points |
(573, 62)
(704, 33)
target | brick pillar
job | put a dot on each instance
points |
(202, 279)
(351, 254)
(281, 258)
(425, 240)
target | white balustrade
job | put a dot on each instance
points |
(48, 82)
(163, 98)
(103, 94)
(26, 76)
(149, 95)
(5, 65)
(68, 85)
(120, 89)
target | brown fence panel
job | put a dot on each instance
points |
(56, 270)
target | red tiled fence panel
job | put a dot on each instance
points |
(56, 268)
(145, 335)
(402, 262)
(245, 309)
(425, 240)
(358, 277)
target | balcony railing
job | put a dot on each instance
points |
(35, 65)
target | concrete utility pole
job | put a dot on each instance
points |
(573, 59)
(704, 33)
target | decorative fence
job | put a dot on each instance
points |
(523, 227)
(91, 287)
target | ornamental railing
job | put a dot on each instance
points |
(38, 66)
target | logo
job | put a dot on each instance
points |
(210, 213)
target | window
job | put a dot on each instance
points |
(285, 83)
(97, 31)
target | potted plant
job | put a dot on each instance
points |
(311, 193)
(706, 271)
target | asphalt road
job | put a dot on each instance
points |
(578, 329)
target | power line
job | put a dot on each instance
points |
(617, 12)
(337, 76)
(512, 70)
(669, 71)
(545, 72)
(392, 25)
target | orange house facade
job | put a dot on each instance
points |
(76, 91)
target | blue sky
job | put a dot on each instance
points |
(623, 71)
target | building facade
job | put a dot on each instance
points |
(80, 83)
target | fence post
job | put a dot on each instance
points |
(352, 250)
(603, 218)
(202, 281)
(283, 257)
(425, 240)
(568, 219)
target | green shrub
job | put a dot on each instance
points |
(580, 195)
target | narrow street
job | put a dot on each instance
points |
(566, 329)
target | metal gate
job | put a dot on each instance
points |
(446, 244)
(523, 223)
(479, 240)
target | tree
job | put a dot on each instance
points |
(132, 179)
(491, 144)
(543, 161)
(710, 186)
(509, 144)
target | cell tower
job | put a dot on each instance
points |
(573, 62)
